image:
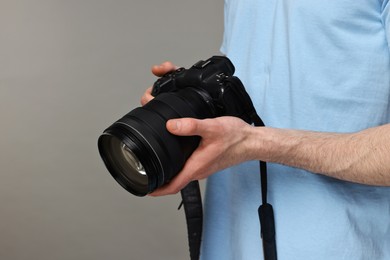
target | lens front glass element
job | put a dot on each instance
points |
(126, 167)
(132, 159)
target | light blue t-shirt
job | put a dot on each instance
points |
(314, 65)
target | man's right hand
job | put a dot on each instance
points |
(158, 70)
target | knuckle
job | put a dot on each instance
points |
(190, 125)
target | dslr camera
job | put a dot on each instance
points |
(138, 150)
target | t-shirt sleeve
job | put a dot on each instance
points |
(386, 19)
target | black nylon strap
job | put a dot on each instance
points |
(265, 211)
(266, 216)
(192, 202)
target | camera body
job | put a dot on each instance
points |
(138, 150)
(224, 92)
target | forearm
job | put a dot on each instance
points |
(362, 157)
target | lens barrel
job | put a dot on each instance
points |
(137, 149)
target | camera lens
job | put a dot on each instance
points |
(124, 164)
(138, 150)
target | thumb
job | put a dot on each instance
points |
(184, 126)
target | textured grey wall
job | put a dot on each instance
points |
(68, 69)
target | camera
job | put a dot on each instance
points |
(138, 150)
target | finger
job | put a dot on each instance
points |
(189, 126)
(177, 184)
(147, 96)
(163, 68)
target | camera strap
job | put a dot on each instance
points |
(192, 201)
(265, 211)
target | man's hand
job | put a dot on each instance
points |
(225, 142)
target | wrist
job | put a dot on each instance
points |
(263, 143)
(277, 145)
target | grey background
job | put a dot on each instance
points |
(68, 69)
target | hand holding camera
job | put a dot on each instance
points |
(225, 141)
